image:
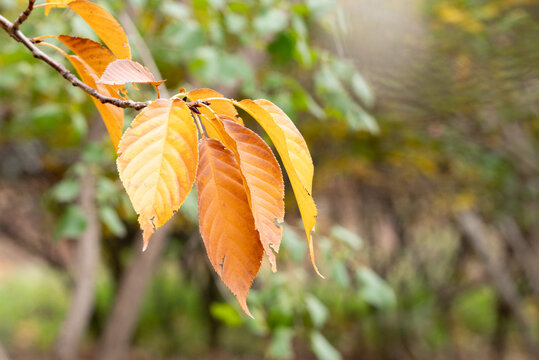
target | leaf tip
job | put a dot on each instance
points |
(313, 261)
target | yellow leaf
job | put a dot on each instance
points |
(157, 162)
(295, 156)
(105, 26)
(55, 3)
(264, 180)
(113, 116)
(226, 223)
(220, 107)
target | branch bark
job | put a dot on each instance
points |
(13, 30)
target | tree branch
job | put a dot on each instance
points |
(15, 33)
(24, 15)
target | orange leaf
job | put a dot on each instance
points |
(105, 26)
(157, 162)
(127, 71)
(264, 180)
(93, 53)
(113, 116)
(220, 107)
(225, 220)
(295, 156)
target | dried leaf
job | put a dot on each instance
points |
(225, 220)
(264, 180)
(121, 72)
(157, 162)
(295, 156)
(105, 26)
(220, 107)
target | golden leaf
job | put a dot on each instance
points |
(295, 156)
(104, 25)
(220, 107)
(157, 162)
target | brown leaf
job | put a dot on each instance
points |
(226, 223)
(105, 26)
(157, 162)
(264, 180)
(127, 71)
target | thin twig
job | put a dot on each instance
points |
(24, 15)
(68, 75)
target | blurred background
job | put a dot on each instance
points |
(422, 117)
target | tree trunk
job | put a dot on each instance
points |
(82, 303)
(122, 321)
(475, 232)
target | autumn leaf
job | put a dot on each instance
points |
(92, 53)
(157, 162)
(113, 116)
(295, 156)
(104, 25)
(264, 180)
(97, 56)
(120, 72)
(55, 3)
(220, 107)
(226, 223)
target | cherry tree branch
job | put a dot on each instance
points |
(68, 75)
(24, 15)
(13, 30)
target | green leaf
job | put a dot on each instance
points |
(340, 273)
(322, 348)
(225, 313)
(317, 310)
(189, 208)
(271, 22)
(72, 223)
(362, 89)
(346, 236)
(110, 218)
(281, 344)
(294, 244)
(66, 190)
(374, 290)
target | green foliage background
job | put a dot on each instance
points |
(457, 129)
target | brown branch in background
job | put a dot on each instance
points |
(82, 302)
(24, 15)
(476, 233)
